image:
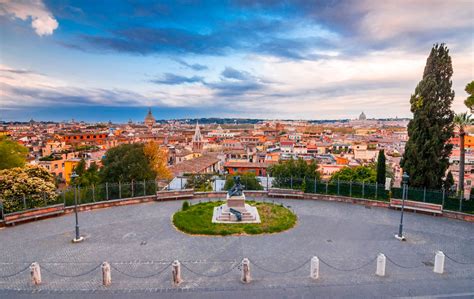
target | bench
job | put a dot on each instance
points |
(174, 194)
(277, 192)
(33, 214)
(417, 206)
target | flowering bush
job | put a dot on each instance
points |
(35, 184)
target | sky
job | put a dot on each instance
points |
(111, 60)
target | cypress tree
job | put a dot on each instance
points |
(427, 151)
(381, 168)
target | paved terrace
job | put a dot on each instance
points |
(139, 240)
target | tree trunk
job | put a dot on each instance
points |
(461, 161)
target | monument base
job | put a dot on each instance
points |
(223, 213)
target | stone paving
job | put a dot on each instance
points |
(140, 242)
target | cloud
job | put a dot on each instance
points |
(173, 79)
(194, 66)
(232, 73)
(42, 21)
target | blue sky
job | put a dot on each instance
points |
(110, 60)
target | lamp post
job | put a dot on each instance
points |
(78, 237)
(405, 178)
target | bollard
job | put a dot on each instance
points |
(176, 272)
(245, 271)
(35, 273)
(314, 267)
(381, 261)
(439, 263)
(106, 275)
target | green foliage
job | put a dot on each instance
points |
(284, 171)
(249, 180)
(361, 173)
(449, 182)
(35, 184)
(199, 182)
(87, 177)
(185, 205)
(125, 163)
(427, 151)
(197, 220)
(469, 102)
(12, 154)
(381, 168)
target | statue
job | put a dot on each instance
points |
(236, 190)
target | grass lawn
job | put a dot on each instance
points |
(197, 219)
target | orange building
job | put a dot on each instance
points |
(259, 169)
(83, 137)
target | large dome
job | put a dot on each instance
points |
(149, 119)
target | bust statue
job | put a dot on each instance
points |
(236, 190)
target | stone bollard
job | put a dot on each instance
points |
(246, 271)
(106, 275)
(35, 273)
(381, 261)
(439, 263)
(176, 272)
(314, 267)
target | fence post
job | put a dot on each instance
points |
(144, 188)
(24, 201)
(444, 194)
(176, 272)
(245, 271)
(439, 263)
(327, 182)
(315, 185)
(350, 189)
(106, 275)
(215, 185)
(120, 190)
(1, 208)
(363, 189)
(107, 191)
(291, 182)
(376, 189)
(180, 183)
(267, 181)
(35, 273)
(93, 193)
(460, 200)
(381, 261)
(133, 184)
(424, 194)
(337, 186)
(314, 274)
(79, 194)
(64, 196)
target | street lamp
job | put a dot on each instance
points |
(78, 237)
(405, 178)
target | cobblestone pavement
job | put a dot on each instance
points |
(140, 242)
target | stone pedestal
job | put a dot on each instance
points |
(223, 214)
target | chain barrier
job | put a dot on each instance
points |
(456, 261)
(71, 276)
(211, 275)
(136, 276)
(401, 266)
(252, 262)
(16, 273)
(348, 270)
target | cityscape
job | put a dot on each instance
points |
(268, 149)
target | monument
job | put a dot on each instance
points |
(235, 210)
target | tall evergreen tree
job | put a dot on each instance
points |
(381, 168)
(427, 151)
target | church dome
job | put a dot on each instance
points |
(150, 119)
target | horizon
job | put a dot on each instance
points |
(62, 59)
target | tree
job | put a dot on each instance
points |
(249, 180)
(159, 160)
(360, 173)
(33, 183)
(293, 172)
(427, 151)
(87, 177)
(199, 182)
(461, 121)
(469, 102)
(12, 154)
(125, 163)
(381, 168)
(449, 182)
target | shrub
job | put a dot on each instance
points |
(185, 206)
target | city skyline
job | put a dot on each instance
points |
(239, 59)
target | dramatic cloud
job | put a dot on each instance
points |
(173, 79)
(42, 21)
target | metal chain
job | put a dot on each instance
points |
(71, 276)
(16, 273)
(401, 266)
(456, 261)
(135, 276)
(252, 262)
(210, 275)
(348, 270)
